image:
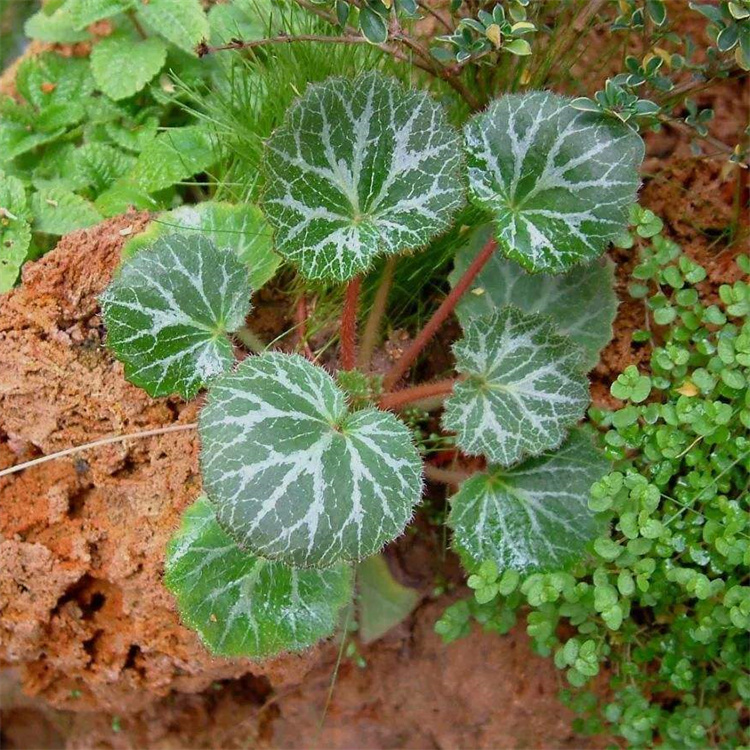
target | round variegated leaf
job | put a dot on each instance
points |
(294, 474)
(360, 167)
(558, 181)
(582, 302)
(242, 605)
(168, 312)
(524, 387)
(533, 517)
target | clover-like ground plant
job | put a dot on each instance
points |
(306, 472)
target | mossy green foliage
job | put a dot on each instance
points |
(663, 598)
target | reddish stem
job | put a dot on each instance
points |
(349, 325)
(417, 393)
(445, 476)
(300, 316)
(439, 317)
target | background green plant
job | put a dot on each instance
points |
(660, 607)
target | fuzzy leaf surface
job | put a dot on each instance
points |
(582, 302)
(294, 474)
(168, 312)
(534, 516)
(524, 387)
(15, 232)
(558, 181)
(122, 66)
(85, 12)
(243, 605)
(59, 211)
(172, 156)
(182, 22)
(359, 168)
(241, 228)
(56, 28)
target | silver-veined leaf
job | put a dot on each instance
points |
(558, 181)
(241, 228)
(294, 474)
(533, 517)
(168, 312)
(359, 168)
(524, 387)
(242, 605)
(582, 302)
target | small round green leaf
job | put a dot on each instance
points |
(242, 605)
(168, 312)
(182, 22)
(557, 180)
(359, 168)
(533, 517)
(122, 66)
(524, 387)
(241, 228)
(294, 474)
(582, 302)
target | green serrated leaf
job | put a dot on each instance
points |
(122, 66)
(56, 28)
(241, 228)
(15, 232)
(359, 168)
(50, 79)
(242, 605)
(85, 12)
(168, 312)
(182, 22)
(59, 211)
(173, 156)
(98, 165)
(533, 517)
(557, 180)
(294, 474)
(582, 302)
(383, 601)
(524, 387)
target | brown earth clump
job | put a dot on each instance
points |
(84, 613)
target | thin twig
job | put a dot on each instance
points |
(439, 317)
(96, 444)
(408, 396)
(237, 44)
(425, 7)
(375, 317)
(349, 324)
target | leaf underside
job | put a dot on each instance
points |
(241, 228)
(533, 517)
(243, 605)
(294, 475)
(557, 181)
(168, 310)
(582, 302)
(360, 168)
(524, 387)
